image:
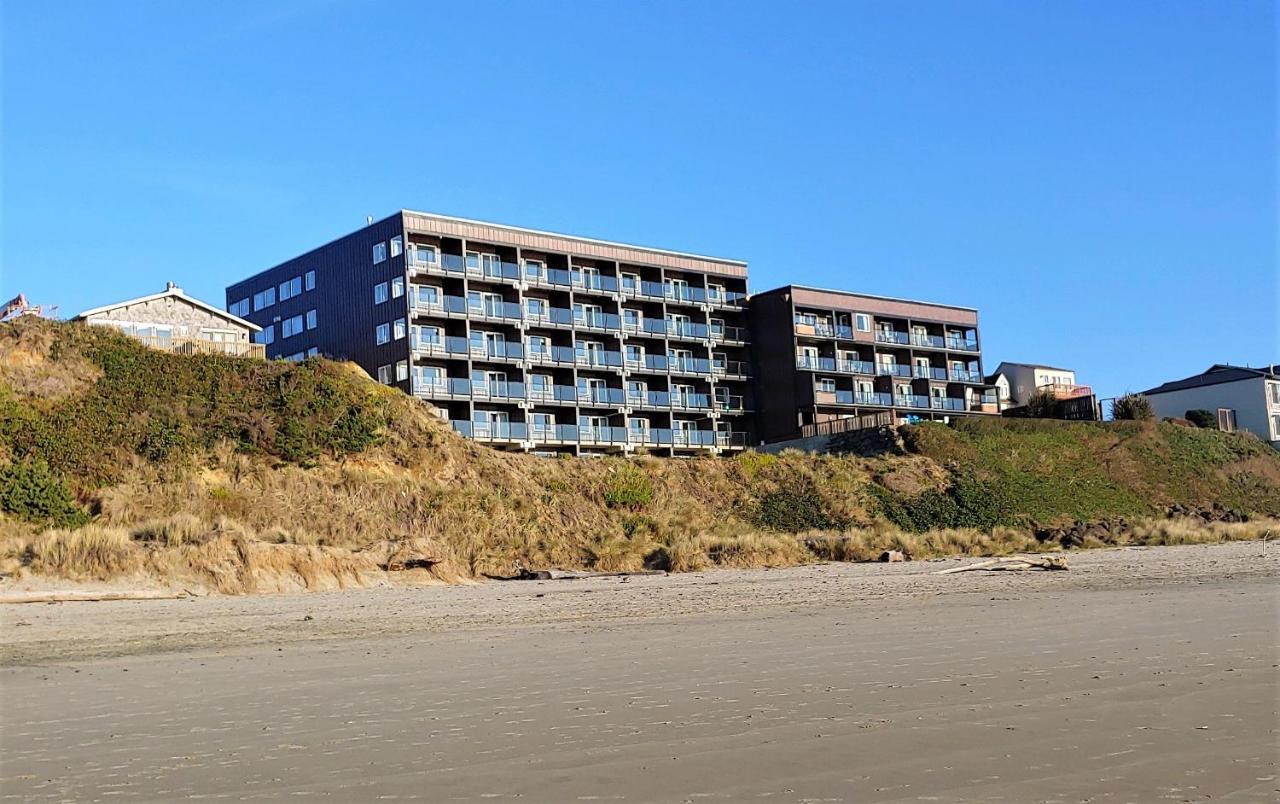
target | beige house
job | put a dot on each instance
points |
(1241, 397)
(176, 322)
(1017, 382)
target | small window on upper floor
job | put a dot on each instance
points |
(827, 385)
(862, 322)
(380, 293)
(379, 253)
(402, 371)
(397, 287)
(310, 278)
(397, 246)
(384, 374)
(400, 328)
(382, 333)
(311, 319)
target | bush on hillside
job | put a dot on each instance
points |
(628, 488)
(796, 507)
(968, 503)
(1042, 404)
(1133, 407)
(1203, 419)
(31, 491)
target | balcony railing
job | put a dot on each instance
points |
(965, 376)
(892, 370)
(1066, 391)
(928, 373)
(823, 329)
(892, 336)
(858, 398)
(929, 341)
(960, 345)
(586, 435)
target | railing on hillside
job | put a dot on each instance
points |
(200, 346)
(845, 425)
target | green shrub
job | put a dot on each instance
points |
(967, 503)
(32, 491)
(628, 488)
(1042, 404)
(796, 507)
(1133, 407)
(1203, 418)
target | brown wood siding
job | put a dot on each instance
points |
(900, 308)
(564, 244)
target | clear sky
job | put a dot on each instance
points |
(1099, 179)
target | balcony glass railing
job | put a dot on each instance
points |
(596, 319)
(646, 363)
(965, 376)
(892, 370)
(612, 397)
(962, 345)
(947, 403)
(930, 341)
(596, 436)
(857, 398)
(891, 336)
(689, 365)
(597, 358)
(730, 367)
(911, 401)
(928, 373)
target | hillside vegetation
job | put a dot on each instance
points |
(118, 461)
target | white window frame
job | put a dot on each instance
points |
(381, 292)
(311, 319)
(825, 385)
(379, 252)
(397, 287)
(382, 334)
(862, 322)
(399, 329)
(397, 246)
(309, 280)
(384, 374)
(402, 370)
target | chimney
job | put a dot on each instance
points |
(170, 286)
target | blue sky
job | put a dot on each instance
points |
(1099, 179)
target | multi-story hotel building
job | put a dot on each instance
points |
(525, 339)
(823, 356)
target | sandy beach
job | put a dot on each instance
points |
(1140, 675)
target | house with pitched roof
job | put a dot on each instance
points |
(175, 322)
(1242, 398)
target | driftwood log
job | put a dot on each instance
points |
(78, 596)
(1011, 563)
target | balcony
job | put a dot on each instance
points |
(458, 347)
(961, 345)
(822, 328)
(928, 373)
(911, 401)
(584, 435)
(892, 336)
(1066, 391)
(965, 376)
(656, 364)
(689, 365)
(892, 370)
(858, 398)
(948, 403)
(730, 368)
(928, 341)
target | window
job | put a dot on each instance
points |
(539, 345)
(296, 357)
(310, 279)
(267, 336)
(384, 374)
(264, 298)
(826, 385)
(382, 333)
(397, 246)
(425, 254)
(240, 308)
(313, 352)
(402, 371)
(862, 322)
(534, 268)
(1275, 392)
(536, 308)
(1275, 427)
(380, 293)
(1227, 420)
(291, 326)
(311, 319)
(379, 255)
(397, 287)
(290, 288)
(400, 328)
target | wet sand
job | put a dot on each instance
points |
(1141, 675)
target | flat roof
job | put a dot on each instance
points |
(873, 296)
(579, 238)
